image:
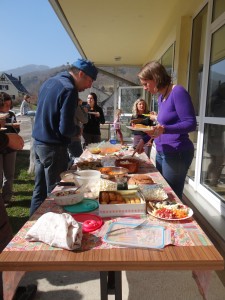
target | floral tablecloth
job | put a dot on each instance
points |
(183, 233)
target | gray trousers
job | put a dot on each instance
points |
(7, 171)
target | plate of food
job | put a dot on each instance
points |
(112, 172)
(169, 211)
(12, 124)
(141, 127)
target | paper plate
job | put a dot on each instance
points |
(85, 205)
(144, 129)
(89, 222)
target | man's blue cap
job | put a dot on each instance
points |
(87, 67)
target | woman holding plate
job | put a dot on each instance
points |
(176, 118)
(139, 110)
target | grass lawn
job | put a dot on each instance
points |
(18, 212)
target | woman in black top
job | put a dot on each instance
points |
(91, 130)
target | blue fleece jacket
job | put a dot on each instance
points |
(57, 103)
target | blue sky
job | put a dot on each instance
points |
(33, 34)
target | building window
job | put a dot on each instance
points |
(213, 159)
(196, 71)
(4, 87)
(218, 9)
(167, 60)
(197, 56)
(215, 105)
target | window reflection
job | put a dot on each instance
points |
(215, 105)
(213, 163)
(197, 57)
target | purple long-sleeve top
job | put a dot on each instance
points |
(177, 115)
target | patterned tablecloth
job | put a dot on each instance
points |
(183, 233)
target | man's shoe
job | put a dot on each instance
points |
(25, 292)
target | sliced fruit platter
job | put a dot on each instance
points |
(170, 211)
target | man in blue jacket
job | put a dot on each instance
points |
(54, 125)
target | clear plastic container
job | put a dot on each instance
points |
(112, 134)
(90, 179)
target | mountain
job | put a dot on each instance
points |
(33, 80)
(32, 76)
(26, 69)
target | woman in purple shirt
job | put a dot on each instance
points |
(176, 118)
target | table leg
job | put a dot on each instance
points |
(103, 285)
(111, 283)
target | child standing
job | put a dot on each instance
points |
(117, 125)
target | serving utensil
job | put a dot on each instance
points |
(136, 227)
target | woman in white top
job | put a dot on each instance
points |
(25, 107)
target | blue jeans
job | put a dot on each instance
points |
(174, 168)
(50, 161)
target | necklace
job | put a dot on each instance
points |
(164, 96)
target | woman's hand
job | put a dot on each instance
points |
(139, 148)
(157, 131)
(153, 116)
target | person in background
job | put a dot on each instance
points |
(91, 130)
(54, 125)
(25, 107)
(139, 108)
(117, 125)
(81, 117)
(15, 142)
(7, 156)
(176, 118)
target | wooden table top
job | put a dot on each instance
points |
(199, 257)
(170, 258)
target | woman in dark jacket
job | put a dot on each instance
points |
(91, 130)
(14, 141)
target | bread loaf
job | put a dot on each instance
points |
(140, 179)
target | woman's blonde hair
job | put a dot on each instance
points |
(117, 111)
(134, 108)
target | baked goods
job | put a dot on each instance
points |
(142, 126)
(140, 179)
(89, 165)
(114, 197)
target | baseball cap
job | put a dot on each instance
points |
(87, 67)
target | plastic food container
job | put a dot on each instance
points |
(87, 177)
(129, 163)
(121, 203)
(68, 196)
(68, 175)
(113, 172)
(90, 180)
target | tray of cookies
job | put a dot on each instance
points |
(121, 203)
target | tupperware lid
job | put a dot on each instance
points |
(85, 205)
(89, 222)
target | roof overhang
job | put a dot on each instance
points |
(120, 32)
